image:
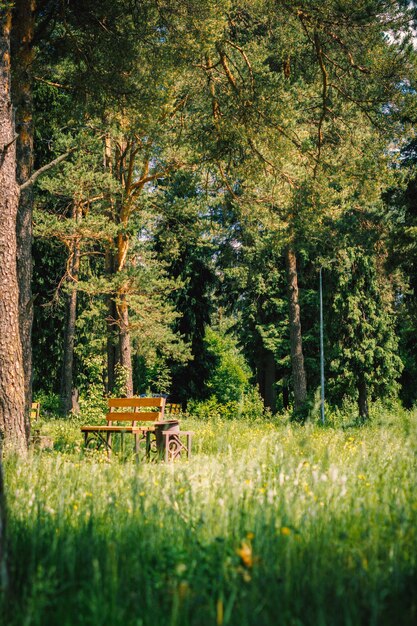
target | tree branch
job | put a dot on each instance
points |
(229, 75)
(30, 181)
(245, 57)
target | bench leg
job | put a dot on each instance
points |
(108, 445)
(148, 445)
(136, 448)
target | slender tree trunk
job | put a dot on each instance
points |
(122, 307)
(270, 397)
(23, 54)
(112, 346)
(68, 361)
(125, 346)
(285, 395)
(363, 400)
(296, 340)
(12, 384)
(112, 356)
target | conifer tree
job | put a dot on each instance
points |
(13, 428)
(364, 347)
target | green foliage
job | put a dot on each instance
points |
(364, 344)
(249, 407)
(230, 376)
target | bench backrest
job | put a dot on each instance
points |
(130, 410)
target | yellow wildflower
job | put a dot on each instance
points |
(245, 553)
(285, 531)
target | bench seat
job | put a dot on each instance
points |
(115, 429)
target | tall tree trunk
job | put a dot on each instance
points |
(112, 352)
(363, 400)
(112, 346)
(296, 340)
(68, 361)
(123, 308)
(12, 384)
(23, 54)
(125, 346)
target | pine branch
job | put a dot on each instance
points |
(30, 181)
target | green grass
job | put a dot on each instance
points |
(268, 524)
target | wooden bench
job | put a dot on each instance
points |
(129, 412)
(35, 410)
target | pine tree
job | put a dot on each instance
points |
(13, 427)
(364, 347)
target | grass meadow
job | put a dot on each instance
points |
(268, 524)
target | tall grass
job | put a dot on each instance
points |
(267, 524)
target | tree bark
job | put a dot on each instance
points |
(270, 393)
(125, 346)
(296, 340)
(285, 395)
(23, 55)
(112, 352)
(363, 400)
(12, 384)
(68, 361)
(112, 336)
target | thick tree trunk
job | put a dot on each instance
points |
(12, 386)
(68, 361)
(23, 54)
(125, 346)
(363, 400)
(296, 340)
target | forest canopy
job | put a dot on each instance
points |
(185, 171)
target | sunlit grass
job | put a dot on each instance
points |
(266, 524)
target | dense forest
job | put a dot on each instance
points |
(186, 170)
